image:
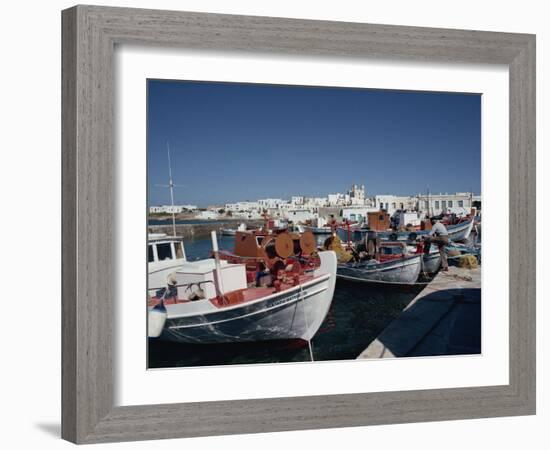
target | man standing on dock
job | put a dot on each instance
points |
(438, 236)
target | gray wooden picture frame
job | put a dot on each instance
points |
(90, 34)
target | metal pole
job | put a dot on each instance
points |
(171, 186)
(218, 265)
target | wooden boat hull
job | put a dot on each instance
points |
(402, 270)
(295, 313)
(431, 262)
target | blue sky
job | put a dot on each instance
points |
(233, 141)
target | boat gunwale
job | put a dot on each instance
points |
(409, 260)
(315, 280)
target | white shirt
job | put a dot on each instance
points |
(439, 230)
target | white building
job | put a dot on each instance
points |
(169, 209)
(356, 213)
(337, 199)
(392, 203)
(242, 206)
(270, 203)
(287, 206)
(357, 195)
(254, 214)
(300, 215)
(207, 215)
(297, 200)
(459, 203)
(316, 201)
(410, 218)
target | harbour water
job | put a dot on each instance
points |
(168, 222)
(359, 312)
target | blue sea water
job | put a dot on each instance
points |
(183, 222)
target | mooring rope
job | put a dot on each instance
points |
(309, 344)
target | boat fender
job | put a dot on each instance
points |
(156, 319)
(195, 292)
(413, 236)
(393, 237)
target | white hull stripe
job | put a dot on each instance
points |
(299, 298)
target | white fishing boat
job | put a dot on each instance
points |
(216, 303)
(432, 261)
(165, 254)
(402, 270)
(457, 232)
(318, 230)
(232, 231)
(318, 225)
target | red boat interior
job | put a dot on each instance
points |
(245, 295)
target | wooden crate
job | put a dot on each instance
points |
(379, 221)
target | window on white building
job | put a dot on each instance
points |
(450, 203)
(437, 204)
(461, 203)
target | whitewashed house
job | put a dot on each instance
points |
(206, 215)
(393, 203)
(300, 215)
(356, 213)
(459, 203)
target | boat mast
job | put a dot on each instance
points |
(429, 203)
(171, 186)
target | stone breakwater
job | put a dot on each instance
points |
(195, 231)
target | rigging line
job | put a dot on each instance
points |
(309, 344)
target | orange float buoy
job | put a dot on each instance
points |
(284, 245)
(307, 243)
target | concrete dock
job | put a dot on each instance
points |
(443, 319)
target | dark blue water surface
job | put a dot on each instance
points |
(183, 222)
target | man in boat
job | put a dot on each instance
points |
(438, 236)
(333, 224)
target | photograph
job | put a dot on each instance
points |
(302, 224)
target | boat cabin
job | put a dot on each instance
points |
(161, 247)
